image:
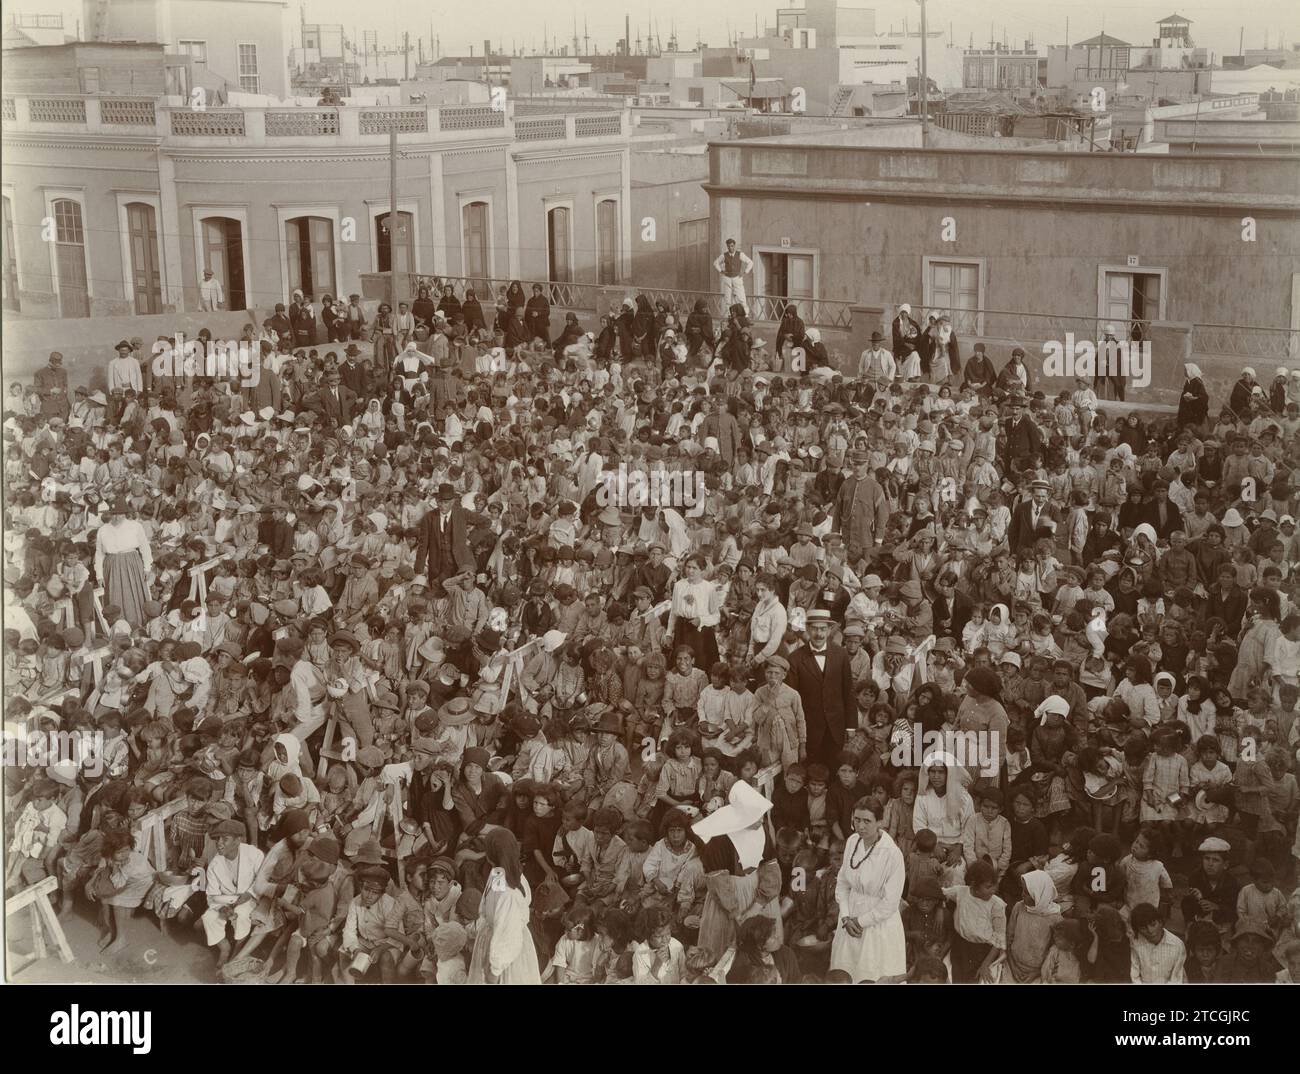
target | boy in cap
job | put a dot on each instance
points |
(372, 930)
(231, 877)
(1212, 891)
(781, 734)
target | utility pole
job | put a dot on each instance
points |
(1241, 42)
(925, 77)
(406, 54)
(392, 218)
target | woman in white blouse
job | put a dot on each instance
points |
(123, 563)
(869, 942)
(768, 622)
(694, 617)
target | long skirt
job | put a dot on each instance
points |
(718, 926)
(124, 585)
(702, 641)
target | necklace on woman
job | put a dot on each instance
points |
(870, 850)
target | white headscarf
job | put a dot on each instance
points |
(1042, 893)
(1192, 370)
(1054, 704)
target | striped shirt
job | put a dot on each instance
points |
(1158, 963)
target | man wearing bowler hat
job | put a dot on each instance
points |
(351, 373)
(443, 549)
(820, 674)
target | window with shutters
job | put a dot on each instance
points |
(248, 76)
(398, 241)
(956, 286)
(310, 244)
(693, 255)
(146, 277)
(70, 259)
(475, 224)
(607, 244)
(559, 258)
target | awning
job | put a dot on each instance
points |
(764, 89)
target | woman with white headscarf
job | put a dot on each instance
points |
(944, 805)
(1194, 404)
(904, 329)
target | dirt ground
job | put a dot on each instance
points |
(149, 956)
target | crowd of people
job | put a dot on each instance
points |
(368, 673)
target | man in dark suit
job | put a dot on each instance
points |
(1024, 439)
(443, 550)
(1031, 518)
(334, 402)
(820, 674)
(274, 530)
(351, 372)
(1164, 516)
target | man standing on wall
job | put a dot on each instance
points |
(733, 265)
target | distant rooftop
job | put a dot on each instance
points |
(1174, 18)
(37, 22)
(1104, 40)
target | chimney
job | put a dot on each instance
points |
(487, 48)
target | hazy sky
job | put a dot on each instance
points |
(1214, 25)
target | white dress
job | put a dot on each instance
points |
(871, 892)
(503, 944)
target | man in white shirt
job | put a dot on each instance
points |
(733, 264)
(211, 296)
(124, 370)
(876, 364)
(231, 876)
